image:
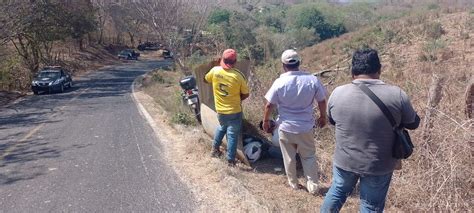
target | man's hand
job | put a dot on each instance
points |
(266, 116)
(322, 121)
(266, 125)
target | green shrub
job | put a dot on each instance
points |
(7, 68)
(310, 17)
(182, 118)
(434, 45)
(275, 21)
(196, 59)
(373, 38)
(302, 37)
(156, 77)
(219, 16)
(433, 6)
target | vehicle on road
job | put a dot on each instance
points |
(128, 54)
(51, 79)
(190, 95)
(167, 54)
(134, 53)
(149, 46)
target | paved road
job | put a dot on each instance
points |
(86, 150)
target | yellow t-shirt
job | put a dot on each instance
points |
(227, 85)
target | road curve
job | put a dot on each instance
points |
(86, 150)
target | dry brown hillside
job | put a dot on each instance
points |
(418, 52)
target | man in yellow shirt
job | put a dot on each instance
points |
(230, 89)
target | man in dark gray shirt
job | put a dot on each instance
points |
(364, 136)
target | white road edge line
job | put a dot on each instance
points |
(142, 109)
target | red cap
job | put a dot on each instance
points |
(229, 55)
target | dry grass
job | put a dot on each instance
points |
(164, 88)
(218, 187)
(437, 178)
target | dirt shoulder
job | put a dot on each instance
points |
(426, 181)
(7, 97)
(218, 187)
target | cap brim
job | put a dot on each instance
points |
(291, 62)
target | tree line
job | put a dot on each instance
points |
(258, 29)
(33, 27)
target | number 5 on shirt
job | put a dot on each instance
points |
(222, 89)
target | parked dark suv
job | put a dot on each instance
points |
(149, 46)
(51, 79)
(167, 54)
(128, 54)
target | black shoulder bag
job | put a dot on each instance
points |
(402, 145)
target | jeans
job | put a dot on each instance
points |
(373, 191)
(230, 125)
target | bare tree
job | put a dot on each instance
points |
(102, 8)
(176, 23)
(126, 20)
(34, 27)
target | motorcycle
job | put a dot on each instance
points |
(190, 95)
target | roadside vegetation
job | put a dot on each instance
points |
(426, 49)
(38, 33)
(429, 55)
(72, 33)
(164, 87)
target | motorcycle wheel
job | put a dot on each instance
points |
(197, 112)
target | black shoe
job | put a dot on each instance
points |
(216, 153)
(231, 163)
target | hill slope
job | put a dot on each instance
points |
(430, 56)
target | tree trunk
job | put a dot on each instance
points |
(132, 38)
(101, 36)
(80, 43)
(90, 39)
(28, 51)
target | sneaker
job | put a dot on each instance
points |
(216, 153)
(231, 163)
(298, 187)
(312, 188)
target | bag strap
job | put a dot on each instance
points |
(379, 103)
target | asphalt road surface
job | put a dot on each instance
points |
(86, 150)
